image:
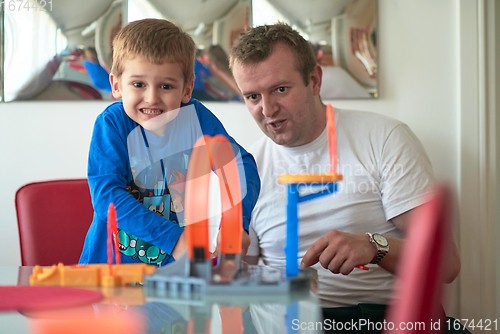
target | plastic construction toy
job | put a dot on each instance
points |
(106, 275)
(326, 182)
(90, 275)
(193, 278)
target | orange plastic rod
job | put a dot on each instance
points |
(232, 320)
(116, 239)
(196, 199)
(216, 150)
(111, 220)
(231, 227)
(332, 138)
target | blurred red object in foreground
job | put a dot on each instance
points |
(420, 277)
(112, 322)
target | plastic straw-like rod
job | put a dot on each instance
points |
(111, 223)
(217, 151)
(332, 138)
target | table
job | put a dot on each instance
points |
(258, 314)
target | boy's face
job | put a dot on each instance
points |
(149, 90)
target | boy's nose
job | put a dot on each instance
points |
(151, 96)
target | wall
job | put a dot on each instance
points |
(497, 125)
(418, 75)
(418, 80)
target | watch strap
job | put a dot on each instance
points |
(381, 251)
(380, 255)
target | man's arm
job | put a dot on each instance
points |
(341, 252)
(253, 247)
(453, 263)
(245, 243)
(251, 259)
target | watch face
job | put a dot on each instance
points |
(380, 240)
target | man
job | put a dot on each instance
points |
(386, 175)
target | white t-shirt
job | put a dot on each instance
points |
(386, 173)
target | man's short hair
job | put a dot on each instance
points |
(156, 40)
(256, 44)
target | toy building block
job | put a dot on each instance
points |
(106, 275)
(90, 275)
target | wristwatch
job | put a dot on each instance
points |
(381, 244)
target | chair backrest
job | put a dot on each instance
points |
(419, 281)
(53, 218)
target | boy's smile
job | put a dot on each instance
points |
(148, 90)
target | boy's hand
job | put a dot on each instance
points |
(245, 243)
(180, 247)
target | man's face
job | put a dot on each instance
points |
(286, 110)
(149, 90)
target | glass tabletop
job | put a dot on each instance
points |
(240, 314)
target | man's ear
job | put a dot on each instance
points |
(115, 87)
(188, 90)
(315, 79)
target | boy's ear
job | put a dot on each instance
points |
(188, 90)
(115, 87)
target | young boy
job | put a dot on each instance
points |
(141, 146)
(97, 74)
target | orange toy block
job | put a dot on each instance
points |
(91, 275)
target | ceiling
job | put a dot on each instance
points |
(75, 14)
(192, 12)
(318, 11)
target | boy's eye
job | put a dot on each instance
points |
(281, 89)
(252, 97)
(138, 84)
(166, 86)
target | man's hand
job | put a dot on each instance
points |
(340, 252)
(245, 243)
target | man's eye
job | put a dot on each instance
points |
(138, 84)
(281, 89)
(252, 97)
(166, 86)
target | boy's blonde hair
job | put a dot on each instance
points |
(156, 40)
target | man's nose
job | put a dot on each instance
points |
(269, 106)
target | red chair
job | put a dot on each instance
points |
(53, 218)
(419, 281)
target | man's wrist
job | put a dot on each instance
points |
(371, 246)
(381, 245)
